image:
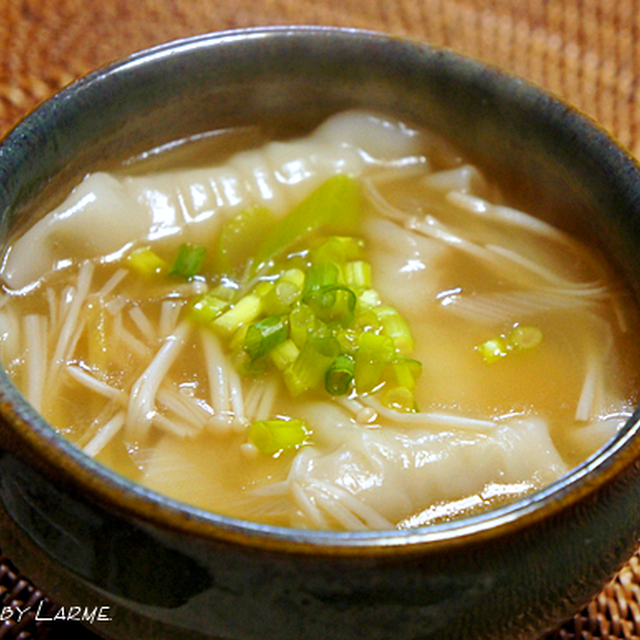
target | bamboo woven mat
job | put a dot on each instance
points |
(586, 51)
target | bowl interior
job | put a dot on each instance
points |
(539, 150)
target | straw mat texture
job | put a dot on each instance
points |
(586, 51)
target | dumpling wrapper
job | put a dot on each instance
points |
(105, 215)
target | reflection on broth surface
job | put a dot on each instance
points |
(348, 330)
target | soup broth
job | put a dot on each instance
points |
(345, 331)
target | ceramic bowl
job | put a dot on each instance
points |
(160, 569)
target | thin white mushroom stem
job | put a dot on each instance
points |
(73, 313)
(435, 420)
(92, 383)
(71, 328)
(105, 435)
(142, 401)
(35, 332)
(143, 324)
(187, 408)
(224, 386)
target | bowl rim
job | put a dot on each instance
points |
(99, 484)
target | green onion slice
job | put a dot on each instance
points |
(264, 335)
(336, 204)
(189, 261)
(339, 375)
(272, 437)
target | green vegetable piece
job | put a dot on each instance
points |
(405, 372)
(396, 327)
(357, 274)
(368, 299)
(399, 399)
(321, 276)
(323, 292)
(189, 261)
(308, 370)
(494, 349)
(367, 320)
(244, 312)
(524, 337)
(375, 352)
(284, 293)
(284, 354)
(324, 341)
(240, 237)
(272, 437)
(348, 340)
(335, 205)
(302, 321)
(207, 308)
(264, 335)
(146, 262)
(339, 375)
(338, 249)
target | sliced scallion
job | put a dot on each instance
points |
(272, 437)
(374, 353)
(188, 262)
(494, 349)
(146, 263)
(340, 375)
(396, 327)
(207, 308)
(244, 312)
(308, 370)
(524, 337)
(262, 336)
(335, 204)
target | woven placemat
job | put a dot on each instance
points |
(586, 51)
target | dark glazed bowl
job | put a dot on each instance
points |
(165, 570)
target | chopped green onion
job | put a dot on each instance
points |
(339, 375)
(374, 353)
(336, 204)
(244, 312)
(207, 308)
(280, 299)
(323, 340)
(284, 354)
(319, 277)
(399, 399)
(302, 321)
(189, 261)
(368, 299)
(333, 303)
(494, 349)
(524, 337)
(308, 370)
(146, 262)
(348, 340)
(521, 338)
(264, 335)
(272, 437)
(358, 274)
(396, 327)
(339, 249)
(239, 237)
(367, 320)
(406, 371)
